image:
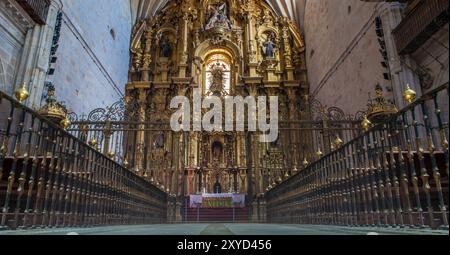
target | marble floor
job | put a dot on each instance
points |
(225, 229)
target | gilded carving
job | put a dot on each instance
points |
(237, 47)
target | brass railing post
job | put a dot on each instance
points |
(412, 168)
(434, 167)
(424, 176)
(4, 150)
(13, 170)
(396, 175)
(23, 173)
(444, 147)
(32, 180)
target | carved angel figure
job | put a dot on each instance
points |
(219, 17)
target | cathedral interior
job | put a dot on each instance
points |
(86, 113)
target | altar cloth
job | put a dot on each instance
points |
(223, 200)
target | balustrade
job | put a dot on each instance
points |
(49, 178)
(395, 174)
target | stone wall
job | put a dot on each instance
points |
(93, 55)
(12, 40)
(343, 59)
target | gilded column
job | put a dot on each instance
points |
(251, 32)
(147, 58)
(140, 168)
(189, 14)
(287, 52)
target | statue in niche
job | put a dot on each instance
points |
(219, 17)
(165, 46)
(269, 46)
(217, 151)
(217, 79)
(217, 186)
(159, 141)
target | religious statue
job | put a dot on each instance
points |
(269, 47)
(159, 141)
(217, 79)
(217, 151)
(219, 17)
(166, 47)
(217, 187)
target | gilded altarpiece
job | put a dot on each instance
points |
(234, 47)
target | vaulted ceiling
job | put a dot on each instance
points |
(293, 9)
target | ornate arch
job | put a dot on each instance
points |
(206, 46)
(268, 29)
(206, 49)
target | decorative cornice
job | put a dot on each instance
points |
(16, 13)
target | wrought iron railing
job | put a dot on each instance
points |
(37, 9)
(132, 143)
(395, 174)
(49, 178)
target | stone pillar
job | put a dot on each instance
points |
(391, 16)
(35, 58)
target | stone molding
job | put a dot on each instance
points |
(15, 12)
